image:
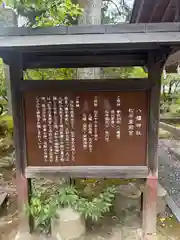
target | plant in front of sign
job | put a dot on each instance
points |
(94, 208)
(41, 208)
(100, 204)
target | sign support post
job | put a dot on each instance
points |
(16, 76)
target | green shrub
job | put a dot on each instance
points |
(42, 206)
(6, 125)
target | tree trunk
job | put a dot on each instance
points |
(91, 16)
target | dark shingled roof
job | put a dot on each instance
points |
(156, 11)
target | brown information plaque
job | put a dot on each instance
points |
(86, 128)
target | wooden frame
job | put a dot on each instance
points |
(125, 39)
(89, 172)
(16, 75)
(91, 29)
(155, 67)
(119, 59)
(87, 85)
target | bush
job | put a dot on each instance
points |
(43, 204)
(6, 125)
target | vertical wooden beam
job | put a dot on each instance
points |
(177, 15)
(150, 194)
(16, 75)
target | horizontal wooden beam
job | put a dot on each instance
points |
(173, 130)
(120, 60)
(95, 29)
(89, 42)
(87, 85)
(88, 171)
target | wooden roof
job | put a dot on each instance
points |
(155, 11)
(130, 43)
(144, 34)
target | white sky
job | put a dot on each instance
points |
(113, 7)
(130, 2)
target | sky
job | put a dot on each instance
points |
(130, 2)
(112, 8)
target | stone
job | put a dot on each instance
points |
(69, 225)
(128, 196)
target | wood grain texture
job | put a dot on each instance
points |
(90, 172)
(87, 85)
(38, 42)
(126, 151)
(155, 67)
(95, 29)
(116, 60)
(145, 11)
(16, 76)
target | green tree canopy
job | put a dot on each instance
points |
(40, 13)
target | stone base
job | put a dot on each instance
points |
(128, 197)
(69, 225)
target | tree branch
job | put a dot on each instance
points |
(117, 8)
(123, 3)
(5, 98)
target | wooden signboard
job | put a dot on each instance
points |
(102, 128)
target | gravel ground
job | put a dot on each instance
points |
(169, 172)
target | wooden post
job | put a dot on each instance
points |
(16, 75)
(151, 185)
